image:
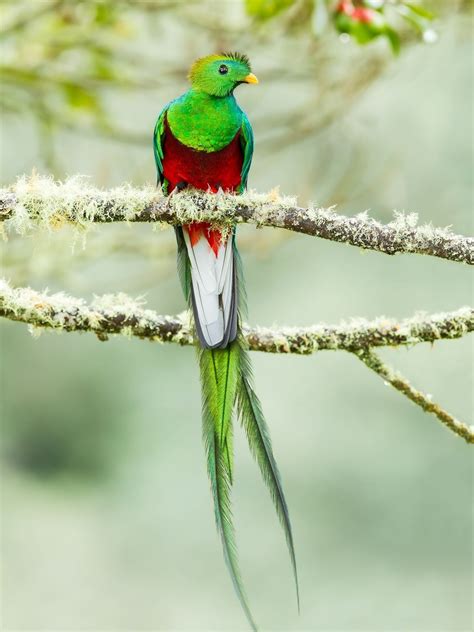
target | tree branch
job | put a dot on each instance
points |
(371, 360)
(40, 201)
(119, 314)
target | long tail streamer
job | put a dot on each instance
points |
(219, 373)
(227, 386)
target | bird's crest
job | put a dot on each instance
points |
(235, 56)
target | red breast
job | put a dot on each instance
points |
(201, 169)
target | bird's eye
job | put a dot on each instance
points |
(223, 69)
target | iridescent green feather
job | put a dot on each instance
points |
(158, 148)
(246, 140)
(219, 376)
(215, 380)
(204, 122)
(184, 265)
(253, 421)
(226, 379)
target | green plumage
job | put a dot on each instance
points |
(217, 467)
(220, 367)
(207, 118)
(226, 383)
(253, 421)
(215, 121)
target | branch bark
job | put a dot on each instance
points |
(119, 314)
(36, 201)
(401, 384)
(40, 201)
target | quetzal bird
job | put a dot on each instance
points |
(204, 140)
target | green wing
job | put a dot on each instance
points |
(246, 140)
(158, 148)
(184, 265)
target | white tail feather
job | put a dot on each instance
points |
(212, 279)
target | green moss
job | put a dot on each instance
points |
(65, 313)
(44, 203)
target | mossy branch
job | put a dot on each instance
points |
(120, 314)
(372, 360)
(39, 201)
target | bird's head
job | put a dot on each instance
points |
(219, 74)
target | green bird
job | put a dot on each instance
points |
(204, 140)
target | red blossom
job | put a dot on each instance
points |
(358, 14)
(345, 6)
(361, 14)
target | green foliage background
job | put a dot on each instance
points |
(106, 516)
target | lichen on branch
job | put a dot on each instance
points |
(401, 384)
(120, 314)
(40, 201)
(105, 315)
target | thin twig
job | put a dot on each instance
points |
(119, 314)
(371, 360)
(40, 201)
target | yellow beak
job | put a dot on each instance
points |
(251, 78)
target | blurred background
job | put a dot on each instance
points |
(106, 516)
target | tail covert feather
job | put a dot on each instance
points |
(214, 288)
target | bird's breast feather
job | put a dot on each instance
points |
(206, 127)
